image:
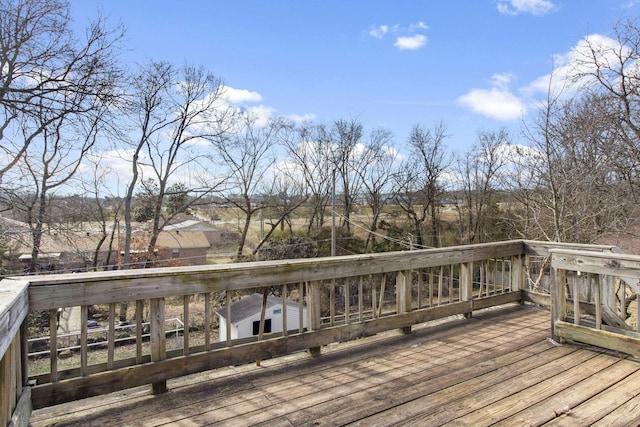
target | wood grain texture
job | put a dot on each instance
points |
(498, 368)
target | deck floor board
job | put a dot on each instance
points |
(498, 367)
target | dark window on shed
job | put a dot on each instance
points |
(267, 326)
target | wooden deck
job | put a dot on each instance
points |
(498, 368)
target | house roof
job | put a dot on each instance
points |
(77, 242)
(182, 239)
(250, 305)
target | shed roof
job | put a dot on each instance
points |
(250, 305)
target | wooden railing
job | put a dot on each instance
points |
(341, 298)
(595, 299)
(15, 400)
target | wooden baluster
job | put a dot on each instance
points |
(623, 298)
(481, 269)
(228, 322)
(419, 288)
(450, 283)
(111, 335)
(185, 330)
(382, 286)
(440, 283)
(598, 299)
(139, 330)
(207, 321)
(347, 297)
(300, 307)
(84, 324)
(576, 300)
(374, 297)
(503, 276)
(53, 345)
(360, 298)
(332, 302)
(284, 310)
(430, 287)
(263, 311)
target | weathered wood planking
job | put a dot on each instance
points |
(620, 265)
(14, 298)
(65, 290)
(13, 310)
(500, 363)
(539, 248)
(599, 338)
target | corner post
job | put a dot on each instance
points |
(313, 312)
(466, 286)
(558, 299)
(403, 295)
(517, 274)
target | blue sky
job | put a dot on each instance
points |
(469, 63)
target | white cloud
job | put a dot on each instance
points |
(571, 69)
(301, 118)
(496, 103)
(534, 7)
(261, 114)
(407, 38)
(379, 32)
(502, 80)
(411, 43)
(419, 26)
(239, 96)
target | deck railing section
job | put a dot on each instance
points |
(334, 299)
(139, 327)
(595, 299)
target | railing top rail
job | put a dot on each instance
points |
(13, 309)
(48, 292)
(536, 247)
(611, 263)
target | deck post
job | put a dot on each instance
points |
(158, 338)
(466, 284)
(558, 299)
(403, 294)
(517, 274)
(313, 312)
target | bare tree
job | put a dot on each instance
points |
(419, 187)
(248, 155)
(577, 185)
(46, 73)
(478, 170)
(174, 112)
(281, 199)
(377, 174)
(309, 156)
(51, 164)
(105, 209)
(346, 141)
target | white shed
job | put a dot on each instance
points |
(245, 317)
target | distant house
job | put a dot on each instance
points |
(245, 317)
(212, 233)
(70, 251)
(190, 247)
